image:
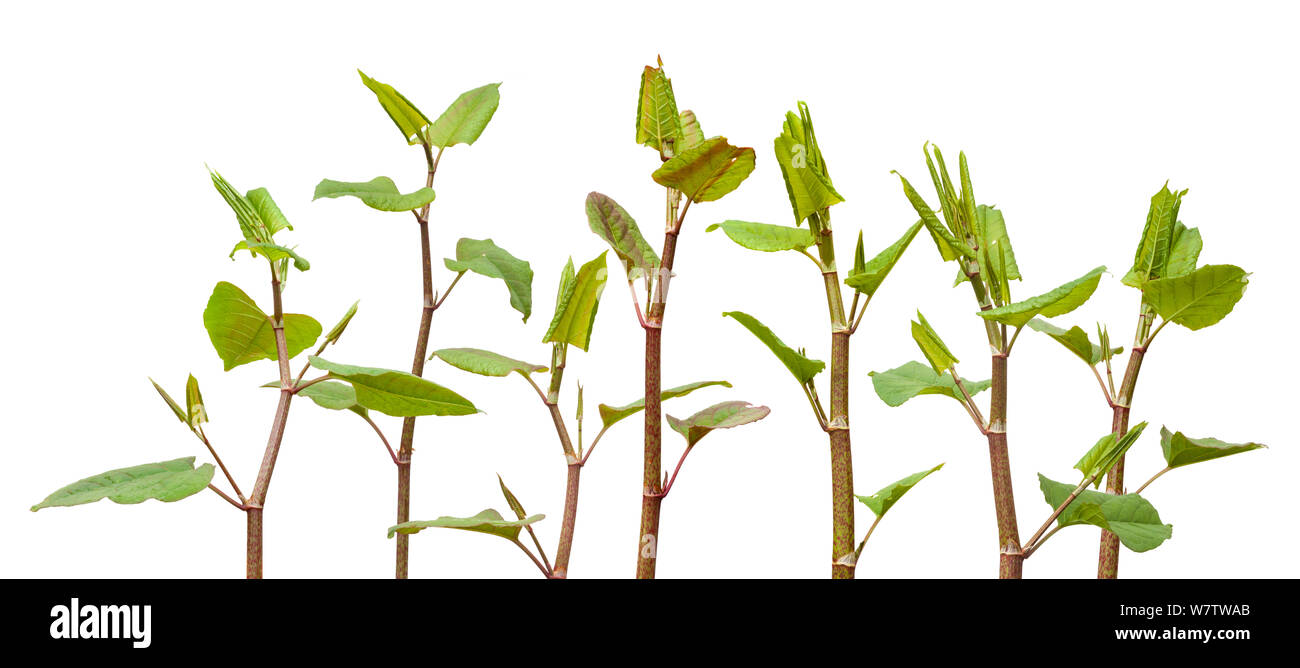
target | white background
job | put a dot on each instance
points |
(1070, 119)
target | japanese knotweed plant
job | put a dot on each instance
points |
(694, 169)
(241, 332)
(462, 123)
(1173, 288)
(808, 183)
(576, 303)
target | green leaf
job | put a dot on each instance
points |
(949, 247)
(803, 368)
(267, 210)
(1130, 517)
(397, 393)
(194, 408)
(514, 504)
(692, 135)
(1074, 339)
(658, 125)
(242, 333)
(488, 521)
(991, 229)
(484, 363)
(806, 181)
(1158, 238)
(486, 258)
(272, 252)
(707, 172)
(576, 303)
(1198, 299)
(378, 193)
(466, 118)
(913, 379)
(251, 224)
(1107, 452)
(882, 501)
(337, 330)
(936, 353)
(611, 414)
(1181, 450)
(409, 120)
(613, 224)
(1056, 302)
(330, 394)
(1185, 253)
(724, 415)
(765, 237)
(166, 481)
(868, 278)
(171, 403)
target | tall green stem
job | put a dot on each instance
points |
(843, 532)
(1108, 556)
(258, 499)
(1011, 560)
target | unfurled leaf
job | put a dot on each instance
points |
(1185, 252)
(658, 125)
(267, 210)
(1181, 450)
(486, 258)
(397, 393)
(1158, 239)
(332, 395)
(913, 379)
(707, 172)
(242, 333)
(1074, 339)
(725, 415)
(803, 368)
(337, 330)
(378, 193)
(576, 303)
(465, 119)
(488, 521)
(171, 403)
(611, 414)
(1056, 302)
(765, 237)
(511, 501)
(806, 180)
(272, 252)
(692, 135)
(1198, 299)
(194, 408)
(613, 224)
(868, 278)
(1103, 456)
(882, 501)
(484, 363)
(950, 248)
(1130, 517)
(409, 120)
(933, 347)
(166, 481)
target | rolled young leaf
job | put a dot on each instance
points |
(949, 247)
(803, 368)
(576, 303)
(882, 501)
(1075, 340)
(1107, 452)
(464, 121)
(612, 414)
(486, 258)
(933, 347)
(410, 121)
(242, 333)
(692, 135)
(1199, 299)
(484, 363)
(765, 237)
(1181, 450)
(489, 522)
(171, 403)
(658, 125)
(194, 408)
(807, 182)
(337, 330)
(1058, 301)
(913, 379)
(867, 278)
(724, 415)
(1128, 516)
(707, 172)
(1159, 236)
(613, 224)
(378, 193)
(396, 393)
(166, 481)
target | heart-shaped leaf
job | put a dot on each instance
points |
(486, 258)
(484, 363)
(397, 393)
(867, 278)
(1130, 517)
(378, 193)
(707, 172)
(409, 120)
(1074, 339)
(765, 237)
(242, 333)
(803, 368)
(613, 224)
(1056, 302)
(166, 481)
(1198, 299)
(882, 501)
(724, 415)
(611, 414)
(576, 303)
(913, 379)
(489, 521)
(466, 118)
(1181, 450)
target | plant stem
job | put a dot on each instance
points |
(1011, 559)
(204, 437)
(258, 499)
(1108, 555)
(652, 482)
(841, 458)
(1153, 478)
